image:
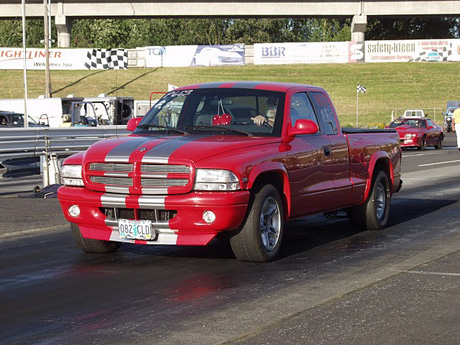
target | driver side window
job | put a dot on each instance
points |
(301, 109)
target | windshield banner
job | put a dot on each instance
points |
(185, 56)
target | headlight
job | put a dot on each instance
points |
(216, 180)
(71, 175)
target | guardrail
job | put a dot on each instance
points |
(33, 142)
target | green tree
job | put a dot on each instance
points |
(411, 28)
(11, 33)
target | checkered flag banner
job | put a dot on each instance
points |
(443, 54)
(360, 88)
(107, 59)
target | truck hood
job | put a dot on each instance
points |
(167, 148)
(406, 129)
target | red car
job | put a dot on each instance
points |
(418, 132)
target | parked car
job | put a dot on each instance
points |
(418, 132)
(233, 160)
(12, 119)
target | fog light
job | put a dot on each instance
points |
(209, 217)
(74, 211)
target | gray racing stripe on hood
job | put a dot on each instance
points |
(163, 151)
(122, 152)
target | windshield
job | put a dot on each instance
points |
(407, 122)
(226, 111)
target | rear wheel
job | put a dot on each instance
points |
(89, 245)
(374, 213)
(438, 145)
(259, 240)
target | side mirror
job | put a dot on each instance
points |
(430, 127)
(303, 127)
(132, 123)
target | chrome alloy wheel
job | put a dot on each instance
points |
(380, 201)
(270, 223)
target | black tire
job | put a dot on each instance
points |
(374, 213)
(422, 144)
(92, 246)
(259, 239)
(438, 145)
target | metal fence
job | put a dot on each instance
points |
(31, 142)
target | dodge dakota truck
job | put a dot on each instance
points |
(233, 160)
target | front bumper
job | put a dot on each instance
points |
(185, 227)
(410, 142)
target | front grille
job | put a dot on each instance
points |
(163, 182)
(112, 181)
(139, 178)
(165, 169)
(156, 216)
(115, 167)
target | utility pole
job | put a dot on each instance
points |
(47, 50)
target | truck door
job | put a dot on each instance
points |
(309, 163)
(338, 147)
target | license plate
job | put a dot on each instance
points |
(136, 229)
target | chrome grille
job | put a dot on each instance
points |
(110, 167)
(140, 178)
(112, 181)
(153, 182)
(164, 169)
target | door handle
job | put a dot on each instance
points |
(327, 151)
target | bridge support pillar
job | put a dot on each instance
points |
(63, 25)
(358, 27)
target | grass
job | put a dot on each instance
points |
(389, 85)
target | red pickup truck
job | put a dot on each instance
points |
(230, 159)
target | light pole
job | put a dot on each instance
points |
(26, 117)
(47, 49)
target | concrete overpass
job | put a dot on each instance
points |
(67, 10)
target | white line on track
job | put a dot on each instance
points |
(433, 273)
(439, 163)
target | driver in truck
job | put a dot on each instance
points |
(269, 118)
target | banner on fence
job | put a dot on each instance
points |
(64, 59)
(184, 56)
(412, 50)
(292, 53)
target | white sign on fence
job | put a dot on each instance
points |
(60, 59)
(292, 53)
(412, 50)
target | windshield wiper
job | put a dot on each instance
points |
(172, 129)
(221, 128)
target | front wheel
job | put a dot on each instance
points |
(422, 144)
(259, 240)
(89, 245)
(374, 213)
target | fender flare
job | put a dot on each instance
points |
(279, 168)
(377, 157)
